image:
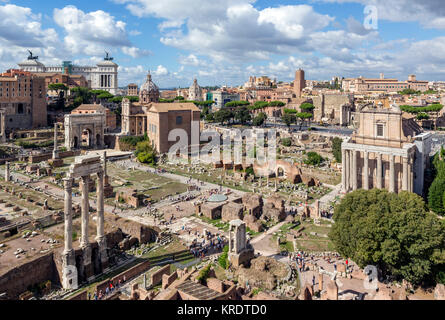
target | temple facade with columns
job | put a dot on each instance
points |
(388, 150)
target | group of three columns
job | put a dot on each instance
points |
(69, 258)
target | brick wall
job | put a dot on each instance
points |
(129, 274)
(167, 280)
(156, 277)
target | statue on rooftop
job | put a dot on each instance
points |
(31, 57)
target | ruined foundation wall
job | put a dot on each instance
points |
(37, 271)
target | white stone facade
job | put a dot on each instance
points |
(103, 76)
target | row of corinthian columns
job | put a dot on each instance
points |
(350, 177)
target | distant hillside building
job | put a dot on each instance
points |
(103, 76)
(299, 82)
(334, 108)
(221, 97)
(22, 100)
(71, 81)
(156, 119)
(364, 85)
(132, 90)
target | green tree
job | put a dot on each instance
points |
(307, 107)
(260, 119)
(391, 231)
(80, 95)
(336, 149)
(235, 104)
(133, 98)
(287, 142)
(277, 104)
(242, 114)
(303, 116)
(209, 117)
(313, 159)
(288, 119)
(290, 111)
(145, 153)
(61, 90)
(223, 115)
(259, 105)
(223, 259)
(105, 96)
(422, 116)
(436, 196)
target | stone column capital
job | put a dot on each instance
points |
(68, 182)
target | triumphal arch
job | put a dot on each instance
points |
(84, 130)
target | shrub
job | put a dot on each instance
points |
(223, 259)
(287, 142)
(314, 159)
(204, 275)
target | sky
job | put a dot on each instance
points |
(223, 42)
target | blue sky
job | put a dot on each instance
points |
(224, 41)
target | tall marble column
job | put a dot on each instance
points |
(348, 171)
(379, 171)
(366, 171)
(392, 178)
(354, 170)
(100, 237)
(69, 274)
(7, 174)
(68, 184)
(104, 162)
(343, 171)
(410, 176)
(85, 205)
(3, 125)
(405, 174)
(87, 270)
(55, 151)
(100, 206)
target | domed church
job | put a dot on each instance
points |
(149, 91)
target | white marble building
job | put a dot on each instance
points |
(103, 76)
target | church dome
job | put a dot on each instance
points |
(149, 91)
(195, 91)
(149, 85)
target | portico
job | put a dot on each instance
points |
(388, 150)
(367, 167)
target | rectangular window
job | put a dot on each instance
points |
(179, 120)
(380, 130)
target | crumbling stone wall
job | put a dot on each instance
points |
(253, 204)
(16, 281)
(232, 211)
(274, 209)
(143, 233)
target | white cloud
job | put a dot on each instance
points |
(136, 52)
(134, 33)
(229, 30)
(21, 29)
(94, 32)
(161, 71)
(430, 13)
(191, 60)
